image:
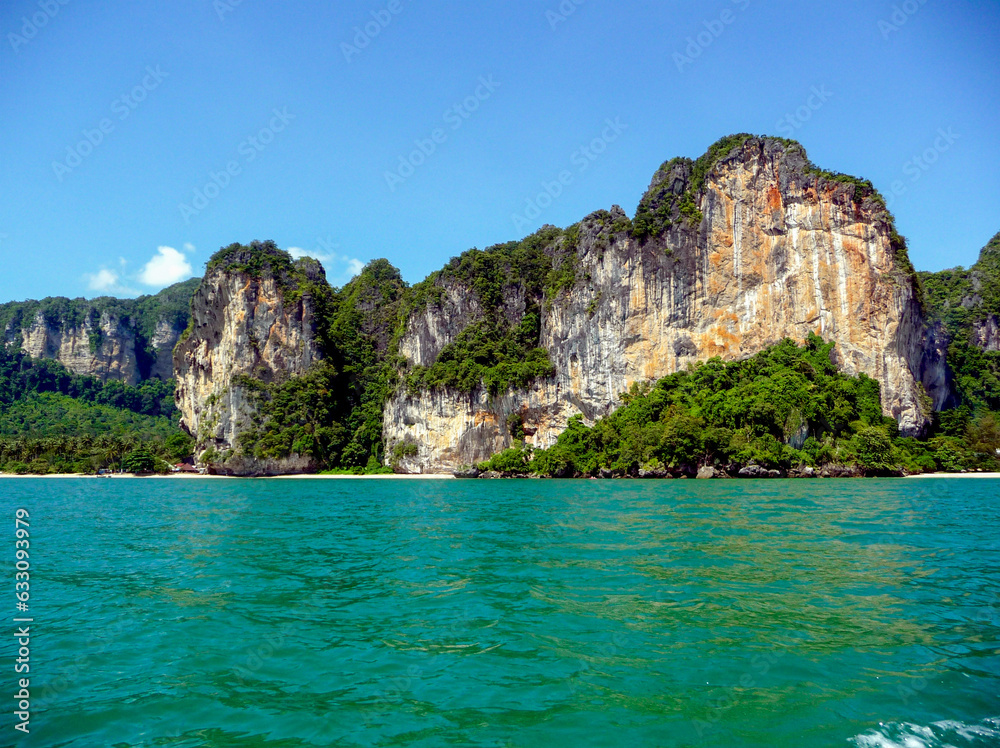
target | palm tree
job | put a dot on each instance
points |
(108, 448)
(20, 449)
(128, 441)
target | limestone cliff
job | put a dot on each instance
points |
(964, 306)
(111, 339)
(251, 321)
(103, 346)
(986, 333)
(726, 255)
(967, 302)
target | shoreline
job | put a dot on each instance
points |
(955, 475)
(397, 476)
(188, 476)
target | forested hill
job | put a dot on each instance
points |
(507, 347)
(966, 302)
(54, 421)
(107, 338)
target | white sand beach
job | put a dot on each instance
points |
(955, 475)
(191, 476)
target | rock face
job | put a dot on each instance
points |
(165, 337)
(986, 333)
(768, 250)
(245, 324)
(128, 340)
(102, 347)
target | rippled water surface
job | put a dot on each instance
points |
(496, 613)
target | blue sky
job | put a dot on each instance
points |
(293, 124)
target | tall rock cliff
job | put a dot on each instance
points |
(726, 255)
(111, 339)
(964, 307)
(253, 320)
(967, 302)
(102, 346)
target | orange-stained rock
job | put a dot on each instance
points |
(780, 252)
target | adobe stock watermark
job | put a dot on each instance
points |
(388, 697)
(225, 7)
(760, 666)
(122, 108)
(788, 124)
(921, 163)
(696, 45)
(325, 247)
(987, 614)
(562, 13)
(249, 149)
(257, 656)
(581, 158)
(364, 35)
(584, 677)
(101, 641)
(30, 26)
(454, 118)
(901, 13)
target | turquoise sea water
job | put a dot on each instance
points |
(508, 613)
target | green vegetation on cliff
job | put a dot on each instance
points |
(786, 407)
(488, 353)
(144, 314)
(661, 206)
(959, 298)
(495, 351)
(256, 259)
(333, 413)
(264, 259)
(966, 303)
(22, 377)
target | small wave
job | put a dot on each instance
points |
(944, 734)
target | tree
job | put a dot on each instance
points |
(874, 450)
(984, 433)
(179, 446)
(139, 461)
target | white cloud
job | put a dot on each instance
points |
(188, 247)
(103, 280)
(106, 281)
(298, 253)
(346, 268)
(167, 267)
(339, 268)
